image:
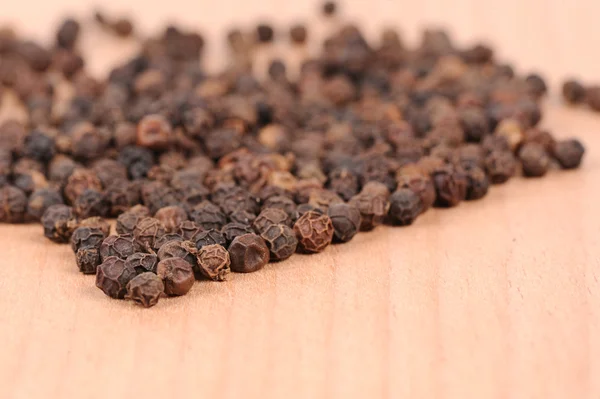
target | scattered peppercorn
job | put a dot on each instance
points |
(405, 206)
(329, 8)
(176, 274)
(248, 253)
(214, 262)
(573, 92)
(265, 33)
(534, 159)
(13, 204)
(112, 277)
(314, 231)
(281, 240)
(120, 246)
(147, 231)
(569, 153)
(59, 222)
(142, 262)
(145, 289)
(298, 34)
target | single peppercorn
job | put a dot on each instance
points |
(536, 85)
(59, 222)
(265, 33)
(127, 221)
(88, 259)
(345, 220)
(214, 262)
(188, 230)
(87, 237)
(123, 27)
(500, 166)
(67, 34)
(232, 230)
(248, 253)
(569, 153)
(329, 8)
(142, 262)
(284, 203)
(447, 187)
(167, 238)
(573, 92)
(177, 276)
(154, 132)
(298, 34)
(147, 231)
(13, 204)
(171, 217)
(405, 206)
(477, 184)
(120, 246)
(145, 289)
(96, 222)
(420, 185)
(79, 181)
(314, 231)
(270, 216)
(91, 203)
(112, 277)
(534, 160)
(40, 200)
(373, 204)
(210, 237)
(208, 216)
(281, 240)
(185, 250)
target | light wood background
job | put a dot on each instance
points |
(494, 299)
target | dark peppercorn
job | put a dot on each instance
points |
(329, 8)
(142, 262)
(145, 289)
(536, 85)
(573, 92)
(39, 146)
(270, 216)
(345, 220)
(405, 206)
(214, 262)
(477, 184)
(96, 222)
(373, 204)
(40, 200)
(127, 221)
(298, 34)
(79, 181)
(248, 253)
(120, 246)
(314, 231)
(500, 166)
(88, 259)
(281, 240)
(232, 230)
(177, 276)
(112, 277)
(121, 195)
(188, 230)
(208, 216)
(264, 33)
(242, 216)
(168, 238)
(593, 98)
(91, 203)
(59, 223)
(147, 231)
(344, 183)
(534, 159)
(67, 34)
(154, 132)
(87, 237)
(171, 217)
(281, 202)
(420, 185)
(13, 204)
(210, 237)
(447, 187)
(569, 153)
(185, 250)
(123, 27)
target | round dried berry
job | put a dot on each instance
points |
(281, 240)
(154, 132)
(314, 231)
(345, 220)
(142, 263)
(405, 206)
(185, 250)
(127, 221)
(118, 246)
(242, 216)
(214, 262)
(145, 289)
(569, 153)
(373, 209)
(500, 166)
(97, 223)
(448, 187)
(13, 204)
(171, 217)
(112, 277)
(303, 208)
(534, 160)
(91, 203)
(271, 216)
(420, 185)
(232, 230)
(87, 237)
(79, 181)
(573, 92)
(284, 203)
(210, 237)
(177, 276)
(322, 199)
(208, 216)
(121, 195)
(248, 253)
(88, 259)
(188, 230)
(147, 231)
(477, 184)
(168, 238)
(59, 222)
(40, 200)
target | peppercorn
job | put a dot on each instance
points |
(185, 250)
(127, 221)
(534, 160)
(264, 33)
(112, 277)
(91, 203)
(345, 220)
(13, 204)
(39, 146)
(123, 27)
(569, 153)
(59, 222)
(87, 237)
(447, 187)
(322, 199)
(214, 262)
(96, 222)
(270, 216)
(209, 237)
(89, 142)
(177, 276)
(168, 238)
(232, 230)
(373, 205)
(298, 34)
(145, 289)
(281, 240)
(477, 183)
(154, 132)
(329, 8)
(405, 206)
(500, 166)
(79, 181)
(141, 262)
(281, 202)
(343, 182)
(188, 230)
(536, 85)
(420, 185)
(120, 246)
(573, 92)
(67, 33)
(314, 231)
(88, 259)
(242, 216)
(171, 217)
(592, 97)
(248, 253)
(208, 216)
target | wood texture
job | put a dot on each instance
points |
(494, 299)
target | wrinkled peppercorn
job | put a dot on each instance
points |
(447, 187)
(40, 200)
(87, 237)
(97, 223)
(112, 277)
(264, 33)
(314, 232)
(91, 203)
(500, 166)
(79, 181)
(248, 253)
(373, 204)
(208, 216)
(188, 230)
(59, 222)
(142, 262)
(214, 262)
(477, 184)
(88, 259)
(298, 34)
(13, 204)
(569, 153)
(345, 220)
(210, 237)
(147, 231)
(281, 240)
(145, 289)
(127, 221)
(270, 216)
(232, 230)
(154, 132)
(329, 8)
(120, 246)
(281, 202)
(177, 276)
(534, 159)
(573, 92)
(405, 206)
(185, 250)
(171, 217)
(167, 238)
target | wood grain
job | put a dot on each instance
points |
(494, 299)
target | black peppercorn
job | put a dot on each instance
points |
(314, 231)
(345, 220)
(145, 289)
(13, 204)
(112, 277)
(59, 222)
(405, 206)
(177, 276)
(214, 262)
(281, 240)
(248, 253)
(569, 153)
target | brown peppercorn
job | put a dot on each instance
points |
(329, 8)
(30, 181)
(185, 250)
(39, 146)
(248, 253)
(145, 289)
(420, 185)
(168, 238)
(500, 166)
(123, 27)
(171, 217)
(120, 246)
(127, 221)
(569, 153)
(281, 240)
(208, 216)
(314, 231)
(534, 160)
(88, 259)
(448, 187)
(147, 231)
(477, 183)
(592, 98)
(573, 92)
(67, 34)
(154, 132)
(343, 182)
(345, 220)
(96, 222)
(536, 85)
(232, 230)
(405, 206)
(112, 277)
(59, 222)
(13, 204)
(79, 181)
(91, 203)
(281, 202)
(209, 237)
(512, 131)
(89, 142)
(188, 230)
(265, 33)
(87, 237)
(242, 216)
(121, 195)
(298, 34)
(177, 276)
(373, 205)
(214, 262)
(40, 200)
(474, 123)
(322, 199)
(141, 262)
(270, 216)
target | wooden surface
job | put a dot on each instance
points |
(494, 299)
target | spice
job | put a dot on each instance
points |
(210, 237)
(185, 250)
(142, 262)
(147, 231)
(281, 240)
(248, 253)
(373, 204)
(271, 216)
(298, 34)
(176, 274)
(534, 159)
(573, 92)
(568, 153)
(145, 289)
(120, 246)
(314, 231)
(171, 217)
(264, 33)
(329, 8)
(67, 33)
(59, 222)
(13, 204)
(345, 220)
(112, 277)
(405, 206)
(214, 262)
(232, 230)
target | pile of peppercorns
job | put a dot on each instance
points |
(208, 174)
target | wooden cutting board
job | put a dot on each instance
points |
(494, 299)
